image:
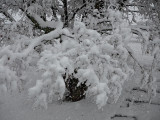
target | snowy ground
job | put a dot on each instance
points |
(18, 107)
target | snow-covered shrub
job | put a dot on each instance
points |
(97, 62)
(79, 63)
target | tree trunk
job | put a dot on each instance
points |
(65, 13)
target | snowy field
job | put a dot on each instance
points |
(19, 107)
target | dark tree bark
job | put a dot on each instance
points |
(65, 4)
(74, 93)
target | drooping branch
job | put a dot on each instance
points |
(37, 26)
(36, 41)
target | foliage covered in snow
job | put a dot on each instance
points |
(97, 59)
(100, 62)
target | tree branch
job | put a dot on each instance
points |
(78, 9)
(37, 25)
(36, 41)
(131, 54)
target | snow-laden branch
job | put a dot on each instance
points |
(34, 42)
(39, 23)
(44, 24)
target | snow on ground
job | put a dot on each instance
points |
(19, 107)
